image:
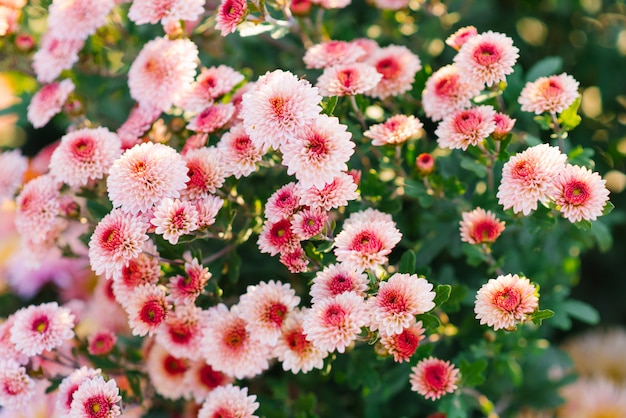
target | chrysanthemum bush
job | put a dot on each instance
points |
(342, 230)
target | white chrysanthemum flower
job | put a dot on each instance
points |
(229, 401)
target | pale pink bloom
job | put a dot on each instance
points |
(294, 259)
(68, 387)
(229, 15)
(395, 130)
(277, 237)
(229, 347)
(529, 177)
(182, 331)
(446, 91)
(13, 165)
(162, 72)
(85, 155)
(117, 239)
(332, 4)
(369, 46)
(391, 4)
(41, 328)
(336, 279)
(334, 323)
(366, 244)
(330, 53)
(425, 164)
(165, 11)
(138, 122)
(333, 195)
(207, 206)
(399, 299)
(506, 301)
(487, 58)
(48, 101)
(144, 175)
(239, 153)
(462, 35)
(9, 17)
(398, 66)
(211, 83)
(581, 193)
(147, 309)
(366, 216)
(466, 127)
(504, 125)
(283, 203)
(596, 397)
(309, 222)
(293, 350)
(195, 141)
(96, 398)
(7, 348)
(207, 172)
(185, 289)
(318, 152)
(54, 56)
(38, 210)
(16, 387)
(212, 118)
(278, 107)
(264, 307)
(403, 345)
(348, 79)
(480, 226)
(229, 401)
(202, 379)
(175, 218)
(167, 373)
(433, 378)
(101, 342)
(551, 94)
(77, 19)
(144, 268)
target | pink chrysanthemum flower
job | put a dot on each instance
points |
(229, 15)
(167, 373)
(446, 91)
(330, 53)
(101, 343)
(480, 227)
(334, 323)
(210, 84)
(117, 239)
(85, 155)
(54, 56)
(332, 4)
(309, 222)
(504, 125)
(182, 331)
(202, 379)
(398, 66)
(229, 401)
(264, 308)
(207, 207)
(529, 177)
(551, 94)
(506, 301)
(367, 215)
(77, 19)
(48, 101)
(293, 350)
(425, 164)
(391, 4)
(433, 378)
(239, 153)
(487, 58)
(395, 130)
(68, 387)
(336, 279)
(366, 244)
(13, 165)
(144, 268)
(369, 46)
(207, 172)
(597, 397)
(150, 11)
(348, 79)
(333, 195)
(38, 210)
(462, 35)
(212, 118)
(144, 175)
(277, 237)
(147, 309)
(318, 152)
(185, 289)
(466, 127)
(16, 387)
(581, 193)
(96, 398)
(294, 259)
(138, 122)
(6, 346)
(9, 17)
(404, 344)
(229, 347)
(174, 218)
(399, 299)
(283, 203)
(278, 107)
(162, 72)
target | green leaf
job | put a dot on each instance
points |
(54, 384)
(234, 267)
(608, 208)
(581, 311)
(514, 370)
(581, 156)
(134, 380)
(569, 118)
(407, 262)
(329, 105)
(603, 236)
(429, 321)
(472, 373)
(479, 169)
(442, 294)
(417, 190)
(544, 122)
(540, 315)
(545, 67)
(583, 225)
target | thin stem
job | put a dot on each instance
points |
(357, 111)
(218, 254)
(163, 259)
(560, 133)
(491, 260)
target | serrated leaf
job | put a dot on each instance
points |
(407, 262)
(472, 373)
(540, 315)
(581, 311)
(429, 321)
(608, 208)
(442, 294)
(545, 67)
(569, 118)
(583, 225)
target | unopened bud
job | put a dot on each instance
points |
(425, 164)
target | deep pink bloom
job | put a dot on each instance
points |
(480, 227)
(229, 15)
(433, 378)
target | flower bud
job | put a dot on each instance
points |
(425, 164)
